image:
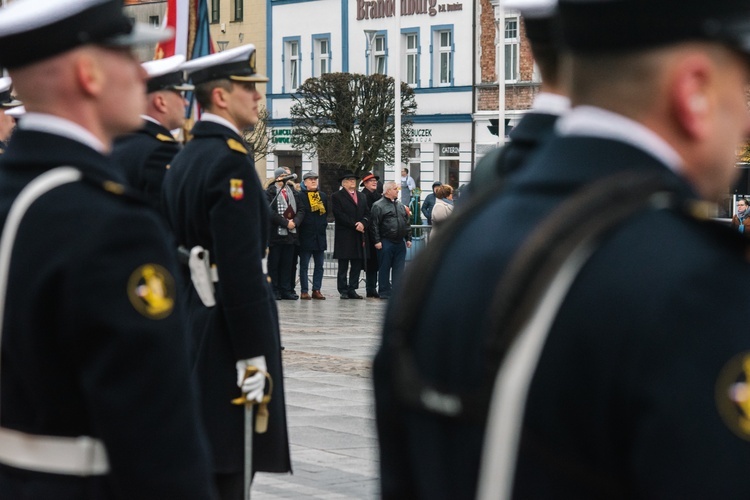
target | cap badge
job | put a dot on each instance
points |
(236, 190)
(733, 395)
(151, 290)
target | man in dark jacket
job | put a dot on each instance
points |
(352, 217)
(312, 235)
(145, 154)
(213, 199)
(390, 233)
(286, 215)
(370, 184)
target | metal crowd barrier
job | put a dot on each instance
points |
(420, 237)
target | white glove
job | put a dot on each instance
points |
(253, 385)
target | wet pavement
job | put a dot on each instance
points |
(329, 349)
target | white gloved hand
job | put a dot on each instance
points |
(253, 385)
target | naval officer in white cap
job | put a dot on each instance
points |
(96, 400)
(213, 199)
(144, 155)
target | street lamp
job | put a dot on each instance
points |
(497, 5)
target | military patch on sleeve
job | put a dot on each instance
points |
(733, 395)
(236, 189)
(151, 290)
(236, 145)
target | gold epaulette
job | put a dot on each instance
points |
(165, 138)
(113, 187)
(236, 145)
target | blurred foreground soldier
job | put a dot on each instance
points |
(218, 211)
(145, 155)
(641, 388)
(7, 102)
(97, 397)
(537, 126)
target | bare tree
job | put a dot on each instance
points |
(347, 119)
(258, 137)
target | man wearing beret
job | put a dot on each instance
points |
(97, 399)
(371, 183)
(639, 388)
(145, 155)
(216, 207)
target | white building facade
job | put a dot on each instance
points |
(306, 38)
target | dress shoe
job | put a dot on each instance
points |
(355, 295)
(344, 296)
(277, 296)
(306, 296)
(317, 295)
(373, 294)
(289, 296)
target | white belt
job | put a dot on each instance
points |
(74, 456)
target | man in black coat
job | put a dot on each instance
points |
(214, 201)
(286, 214)
(370, 184)
(97, 399)
(144, 155)
(640, 391)
(312, 235)
(351, 214)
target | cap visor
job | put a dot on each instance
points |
(12, 104)
(142, 34)
(183, 87)
(257, 77)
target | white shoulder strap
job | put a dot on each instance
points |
(507, 406)
(28, 195)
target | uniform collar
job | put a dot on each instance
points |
(42, 122)
(551, 104)
(590, 121)
(210, 117)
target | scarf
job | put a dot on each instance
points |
(281, 206)
(316, 205)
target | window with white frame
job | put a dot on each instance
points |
(412, 59)
(291, 65)
(321, 55)
(512, 45)
(379, 54)
(445, 57)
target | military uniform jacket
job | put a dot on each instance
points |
(144, 156)
(633, 394)
(348, 243)
(312, 230)
(94, 340)
(213, 198)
